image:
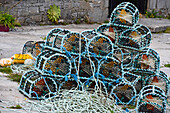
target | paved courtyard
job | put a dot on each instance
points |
(12, 42)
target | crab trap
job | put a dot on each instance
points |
(33, 48)
(115, 59)
(125, 15)
(151, 99)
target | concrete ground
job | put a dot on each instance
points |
(12, 43)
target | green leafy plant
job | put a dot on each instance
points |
(168, 17)
(159, 17)
(54, 13)
(152, 14)
(78, 21)
(17, 24)
(7, 20)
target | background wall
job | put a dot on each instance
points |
(30, 12)
(161, 6)
(35, 11)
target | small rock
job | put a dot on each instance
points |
(61, 21)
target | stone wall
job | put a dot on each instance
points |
(35, 11)
(160, 6)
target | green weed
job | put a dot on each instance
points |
(167, 30)
(106, 21)
(77, 21)
(43, 38)
(15, 77)
(151, 14)
(6, 70)
(168, 17)
(64, 23)
(15, 107)
(17, 24)
(167, 65)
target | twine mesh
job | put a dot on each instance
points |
(68, 101)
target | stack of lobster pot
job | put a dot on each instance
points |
(115, 58)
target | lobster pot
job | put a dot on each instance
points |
(35, 86)
(128, 58)
(129, 77)
(100, 46)
(151, 99)
(110, 68)
(54, 39)
(85, 66)
(73, 43)
(34, 48)
(135, 39)
(28, 47)
(146, 63)
(41, 54)
(37, 48)
(89, 34)
(68, 85)
(41, 59)
(24, 77)
(125, 15)
(138, 84)
(159, 80)
(57, 64)
(124, 93)
(109, 31)
(51, 36)
(95, 84)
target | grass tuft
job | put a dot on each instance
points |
(15, 107)
(78, 21)
(6, 70)
(167, 30)
(129, 107)
(167, 65)
(106, 21)
(15, 77)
